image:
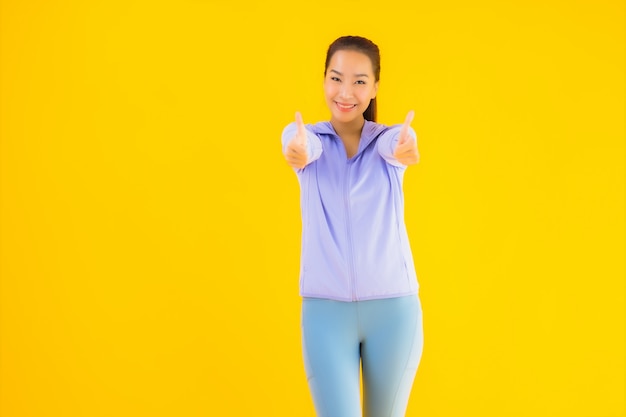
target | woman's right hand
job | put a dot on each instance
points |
(296, 151)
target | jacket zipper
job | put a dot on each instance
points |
(346, 199)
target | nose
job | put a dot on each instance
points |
(346, 90)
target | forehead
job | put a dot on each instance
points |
(350, 62)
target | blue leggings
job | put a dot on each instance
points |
(385, 336)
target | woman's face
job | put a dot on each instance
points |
(349, 85)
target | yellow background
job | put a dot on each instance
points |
(150, 227)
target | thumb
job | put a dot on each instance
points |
(404, 132)
(301, 132)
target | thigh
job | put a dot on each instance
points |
(331, 356)
(391, 351)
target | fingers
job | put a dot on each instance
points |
(407, 153)
(295, 162)
(406, 148)
(404, 132)
(296, 151)
(295, 154)
(299, 122)
(408, 119)
(301, 132)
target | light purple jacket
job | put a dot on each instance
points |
(354, 240)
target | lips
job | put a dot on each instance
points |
(345, 106)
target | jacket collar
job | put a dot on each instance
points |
(371, 131)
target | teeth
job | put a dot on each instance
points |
(346, 107)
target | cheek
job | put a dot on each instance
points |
(366, 95)
(329, 90)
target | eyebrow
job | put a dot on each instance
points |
(356, 75)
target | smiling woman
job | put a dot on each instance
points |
(350, 89)
(357, 275)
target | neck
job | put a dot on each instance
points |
(352, 128)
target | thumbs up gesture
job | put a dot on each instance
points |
(406, 149)
(296, 151)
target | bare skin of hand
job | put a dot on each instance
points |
(296, 154)
(406, 149)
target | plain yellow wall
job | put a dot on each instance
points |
(150, 227)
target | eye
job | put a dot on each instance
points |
(360, 82)
(335, 78)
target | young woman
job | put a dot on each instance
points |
(357, 278)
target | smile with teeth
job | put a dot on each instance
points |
(343, 106)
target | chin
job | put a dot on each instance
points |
(347, 118)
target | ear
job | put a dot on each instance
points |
(375, 90)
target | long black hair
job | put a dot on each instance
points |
(365, 46)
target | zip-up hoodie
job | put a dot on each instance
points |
(354, 240)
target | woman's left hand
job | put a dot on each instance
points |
(406, 149)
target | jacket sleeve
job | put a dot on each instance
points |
(388, 141)
(314, 144)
